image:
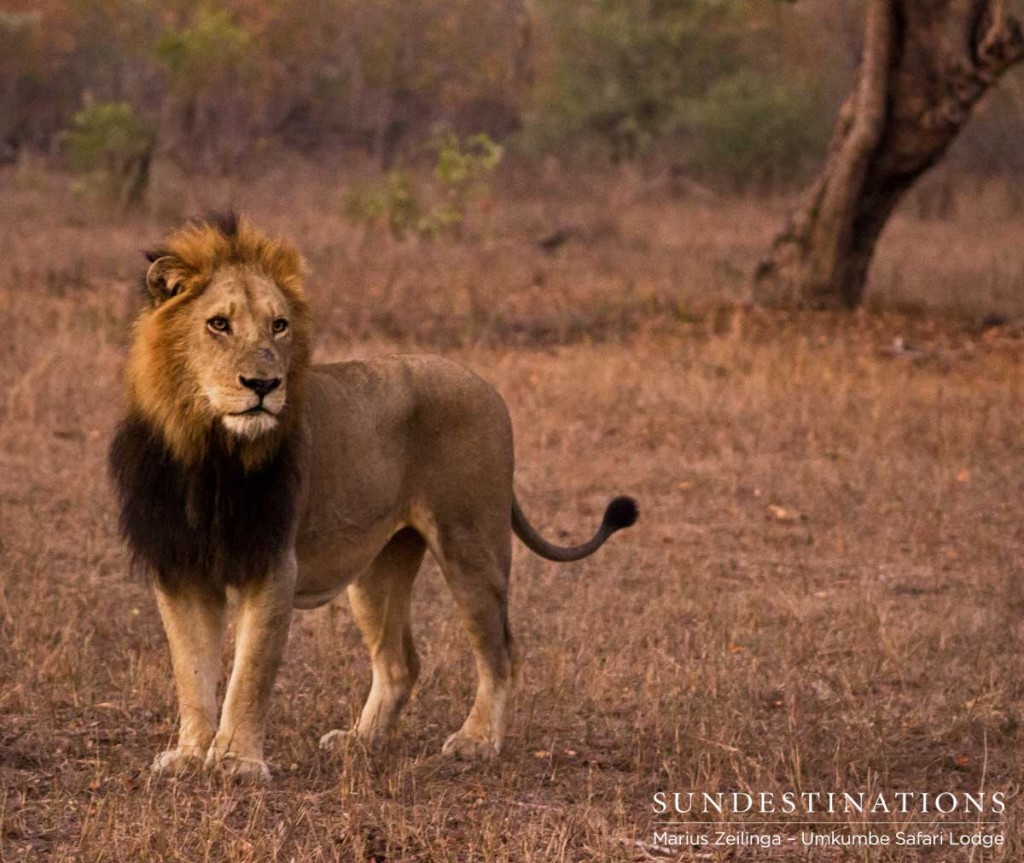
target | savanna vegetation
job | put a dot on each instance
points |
(736, 93)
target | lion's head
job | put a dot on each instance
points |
(221, 351)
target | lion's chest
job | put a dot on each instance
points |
(212, 523)
(336, 546)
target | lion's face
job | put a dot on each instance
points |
(225, 342)
(239, 347)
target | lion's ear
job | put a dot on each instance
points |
(165, 278)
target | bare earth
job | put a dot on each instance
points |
(824, 591)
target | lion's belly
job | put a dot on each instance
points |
(307, 601)
(327, 565)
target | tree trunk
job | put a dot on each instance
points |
(924, 66)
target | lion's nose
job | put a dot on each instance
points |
(260, 386)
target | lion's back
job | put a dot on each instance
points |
(415, 415)
(423, 389)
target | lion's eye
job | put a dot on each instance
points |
(279, 326)
(219, 324)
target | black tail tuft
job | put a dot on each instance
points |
(621, 512)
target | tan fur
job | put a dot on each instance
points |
(396, 455)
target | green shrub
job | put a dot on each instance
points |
(217, 91)
(624, 69)
(196, 55)
(463, 172)
(703, 80)
(111, 148)
(392, 201)
(756, 130)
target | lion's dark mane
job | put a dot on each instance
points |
(212, 524)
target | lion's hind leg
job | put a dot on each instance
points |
(476, 559)
(380, 600)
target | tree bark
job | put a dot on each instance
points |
(925, 63)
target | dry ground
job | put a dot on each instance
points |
(824, 591)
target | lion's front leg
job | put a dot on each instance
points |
(193, 619)
(264, 615)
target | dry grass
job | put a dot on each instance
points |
(824, 591)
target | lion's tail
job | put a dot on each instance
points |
(621, 512)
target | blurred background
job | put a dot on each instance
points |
(650, 131)
(735, 94)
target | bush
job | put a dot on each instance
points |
(756, 130)
(393, 201)
(463, 172)
(704, 81)
(111, 147)
(623, 70)
(216, 91)
(210, 45)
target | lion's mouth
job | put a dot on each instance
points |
(251, 423)
(256, 410)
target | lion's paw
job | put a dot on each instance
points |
(175, 762)
(340, 739)
(462, 746)
(337, 739)
(238, 768)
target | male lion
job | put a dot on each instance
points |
(239, 466)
